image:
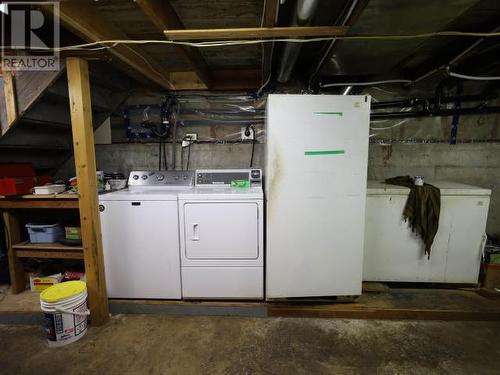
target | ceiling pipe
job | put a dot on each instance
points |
(412, 102)
(452, 61)
(302, 15)
(343, 21)
(346, 18)
(440, 113)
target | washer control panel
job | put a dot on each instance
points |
(229, 177)
(161, 178)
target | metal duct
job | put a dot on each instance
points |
(302, 16)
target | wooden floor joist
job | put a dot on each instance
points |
(84, 152)
(163, 16)
(224, 79)
(83, 20)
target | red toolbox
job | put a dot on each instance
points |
(16, 178)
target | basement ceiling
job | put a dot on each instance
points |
(195, 14)
(409, 58)
(347, 60)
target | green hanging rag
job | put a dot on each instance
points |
(422, 209)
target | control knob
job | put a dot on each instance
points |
(135, 177)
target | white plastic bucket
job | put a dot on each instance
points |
(66, 317)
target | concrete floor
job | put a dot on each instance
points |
(146, 344)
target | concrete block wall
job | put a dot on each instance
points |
(469, 163)
(126, 157)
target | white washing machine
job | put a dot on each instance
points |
(221, 235)
(140, 234)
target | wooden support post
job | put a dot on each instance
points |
(13, 235)
(84, 152)
(10, 97)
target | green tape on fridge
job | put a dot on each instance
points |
(324, 152)
(329, 113)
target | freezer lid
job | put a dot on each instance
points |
(447, 188)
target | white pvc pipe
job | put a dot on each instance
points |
(474, 78)
(365, 83)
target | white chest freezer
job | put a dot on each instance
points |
(392, 252)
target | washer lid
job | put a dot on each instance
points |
(208, 193)
(140, 195)
(447, 188)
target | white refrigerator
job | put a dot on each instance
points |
(316, 166)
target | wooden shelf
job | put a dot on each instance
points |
(42, 196)
(50, 196)
(40, 201)
(47, 250)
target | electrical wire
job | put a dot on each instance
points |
(266, 82)
(390, 127)
(165, 154)
(474, 78)
(253, 143)
(159, 154)
(221, 43)
(131, 50)
(189, 154)
(172, 106)
(451, 74)
(190, 141)
(259, 91)
(174, 134)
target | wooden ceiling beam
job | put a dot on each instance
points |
(84, 21)
(87, 54)
(223, 79)
(256, 33)
(164, 17)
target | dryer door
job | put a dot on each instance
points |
(221, 230)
